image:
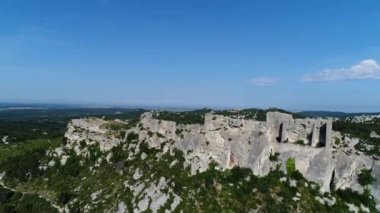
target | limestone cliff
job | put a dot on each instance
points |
(245, 143)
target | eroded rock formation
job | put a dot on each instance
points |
(314, 132)
(246, 143)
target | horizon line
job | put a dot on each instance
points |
(184, 107)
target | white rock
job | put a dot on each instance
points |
(173, 163)
(138, 174)
(352, 208)
(364, 208)
(121, 207)
(143, 156)
(2, 175)
(320, 200)
(152, 194)
(293, 183)
(51, 163)
(64, 159)
(329, 202)
(5, 139)
(95, 195)
(176, 202)
(374, 135)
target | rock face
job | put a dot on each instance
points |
(315, 132)
(363, 118)
(90, 130)
(234, 142)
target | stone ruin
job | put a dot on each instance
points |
(314, 132)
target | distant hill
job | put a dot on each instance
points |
(341, 115)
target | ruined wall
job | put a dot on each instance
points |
(238, 142)
(314, 132)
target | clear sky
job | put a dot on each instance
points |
(321, 54)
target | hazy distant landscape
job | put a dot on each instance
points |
(189, 106)
(59, 158)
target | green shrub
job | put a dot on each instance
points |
(82, 144)
(178, 131)
(23, 167)
(72, 167)
(191, 117)
(121, 134)
(290, 166)
(132, 137)
(274, 156)
(297, 175)
(64, 198)
(365, 177)
(118, 154)
(337, 141)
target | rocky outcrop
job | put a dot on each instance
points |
(363, 118)
(90, 131)
(246, 143)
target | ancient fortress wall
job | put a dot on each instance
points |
(240, 142)
(314, 132)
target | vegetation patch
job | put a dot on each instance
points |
(368, 145)
(254, 113)
(274, 156)
(185, 118)
(11, 201)
(300, 142)
(366, 178)
(290, 165)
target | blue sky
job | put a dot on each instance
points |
(297, 55)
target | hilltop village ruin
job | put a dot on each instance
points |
(235, 141)
(313, 132)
